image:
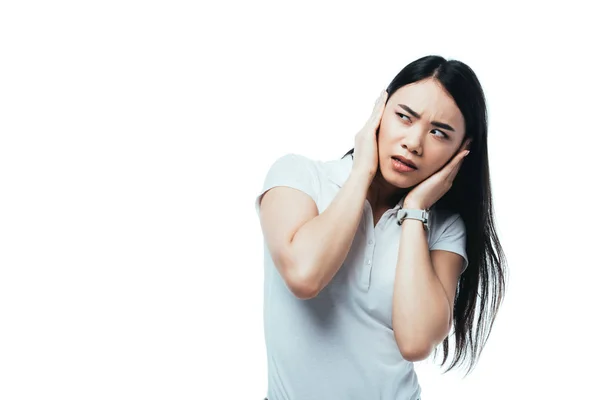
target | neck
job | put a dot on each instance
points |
(382, 195)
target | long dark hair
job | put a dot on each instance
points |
(471, 197)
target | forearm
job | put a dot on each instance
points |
(420, 310)
(321, 245)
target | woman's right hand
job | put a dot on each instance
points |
(366, 154)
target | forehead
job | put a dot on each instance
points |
(429, 99)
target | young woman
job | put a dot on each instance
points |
(370, 260)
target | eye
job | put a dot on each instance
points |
(444, 136)
(402, 115)
(407, 118)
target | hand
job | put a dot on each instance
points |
(428, 192)
(366, 154)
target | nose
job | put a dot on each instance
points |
(412, 143)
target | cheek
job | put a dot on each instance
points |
(440, 161)
(434, 160)
(381, 140)
(383, 135)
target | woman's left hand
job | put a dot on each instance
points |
(428, 192)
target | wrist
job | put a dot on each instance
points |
(421, 225)
(363, 177)
(412, 205)
(417, 216)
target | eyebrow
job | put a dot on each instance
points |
(434, 123)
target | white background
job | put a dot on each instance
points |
(135, 136)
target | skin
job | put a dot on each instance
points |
(425, 282)
(430, 147)
(309, 247)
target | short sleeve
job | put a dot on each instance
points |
(453, 237)
(294, 171)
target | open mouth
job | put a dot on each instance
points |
(399, 161)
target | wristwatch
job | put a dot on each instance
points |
(421, 215)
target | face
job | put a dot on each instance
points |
(421, 123)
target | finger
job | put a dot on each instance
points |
(456, 164)
(379, 103)
(381, 98)
(454, 172)
(378, 110)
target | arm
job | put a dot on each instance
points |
(307, 248)
(424, 290)
(425, 283)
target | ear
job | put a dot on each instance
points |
(461, 147)
(468, 142)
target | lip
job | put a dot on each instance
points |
(405, 161)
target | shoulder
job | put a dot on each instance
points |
(293, 165)
(292, 170)
(336, 170)
(292, 160)
(303, 161)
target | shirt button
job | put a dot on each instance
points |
(370, 241)
(369, 262)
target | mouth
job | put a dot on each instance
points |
(404, 161)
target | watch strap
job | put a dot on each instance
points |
(421, 215)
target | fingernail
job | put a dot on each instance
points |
(467, 153)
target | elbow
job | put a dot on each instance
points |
(303, 292)
(299, 278)
(301, 284)
(414, 353)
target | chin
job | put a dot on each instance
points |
(400, 181)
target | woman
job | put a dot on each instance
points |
(371, 260)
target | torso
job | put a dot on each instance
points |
(377, 214)
(321, 347)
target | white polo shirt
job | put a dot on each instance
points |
(340, 344)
